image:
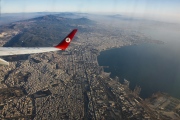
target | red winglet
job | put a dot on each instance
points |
(66, 41)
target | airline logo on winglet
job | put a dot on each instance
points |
(66, 41)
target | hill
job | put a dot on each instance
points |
(45, 30)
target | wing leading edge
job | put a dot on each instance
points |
(7, 51)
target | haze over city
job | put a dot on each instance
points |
(166, 10)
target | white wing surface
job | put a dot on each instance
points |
(7, 51)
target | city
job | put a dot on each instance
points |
(71, 85)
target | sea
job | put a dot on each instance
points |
(153, 67)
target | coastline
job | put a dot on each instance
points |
(132, 88)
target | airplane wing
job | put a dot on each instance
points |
(7, 51)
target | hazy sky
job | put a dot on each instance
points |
(163, 9)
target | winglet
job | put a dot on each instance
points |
(66, 41)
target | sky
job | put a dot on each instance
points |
(162, 9)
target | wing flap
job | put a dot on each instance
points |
(3, 62)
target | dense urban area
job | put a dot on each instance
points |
(70, 84)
